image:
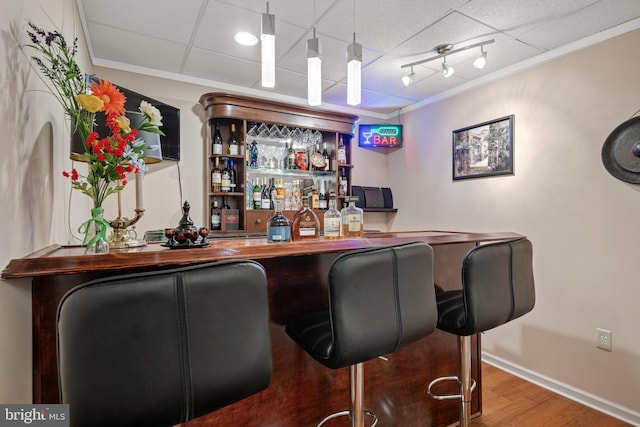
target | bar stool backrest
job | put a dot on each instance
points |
(498, 284)
(380, 300)
(161, 348)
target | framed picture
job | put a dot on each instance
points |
(485, 149)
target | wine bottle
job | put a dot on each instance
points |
(327, 159)
(322, 197)
(216, 216)
(342, 152)
(216, 178)
(257, 195)
(233, 141)
(265, 200)
(332, 219)
(226, 177)
(233, 177)
(217, 140)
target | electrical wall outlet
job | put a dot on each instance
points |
(603, 339)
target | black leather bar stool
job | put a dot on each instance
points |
(497, 287)
(379, 301)
(161, 348)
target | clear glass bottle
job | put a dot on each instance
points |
(342, 152)
(332, 220)
(278, 226)
(305, 223)
(233, 140)
(216, 216)
(216, 147)
(352, 219)
(216, 177)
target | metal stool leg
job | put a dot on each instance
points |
(356, 395)
(465, 381)
(466, 384)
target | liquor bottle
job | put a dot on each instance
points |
(317, 159)
(327, 159)
(315, 198)
(216, 178)
(322, 196)
(233, 177)
(291, 157)
(332, 219)
(257, 195)
(216, 216)
(217, 141)
(342, 152)
(278, 226)
(272, 193)
(233, 141)
(352, 219)
(305, 223)
(253, 154)
(343, 185)
(265, 199)
(226, 177)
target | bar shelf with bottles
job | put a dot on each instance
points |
(276, 128)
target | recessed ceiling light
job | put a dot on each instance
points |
(245, 39)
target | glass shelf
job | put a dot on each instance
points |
(288, 172)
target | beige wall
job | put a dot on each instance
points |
(582, 221)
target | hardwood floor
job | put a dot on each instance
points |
(511, 401)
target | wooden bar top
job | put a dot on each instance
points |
(57, 260)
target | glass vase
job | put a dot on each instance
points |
(96, 232)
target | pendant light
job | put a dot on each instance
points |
(314, 71)
(268, 39)
(354, 67)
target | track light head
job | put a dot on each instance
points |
(447, 69)
(481, 60)
(408, 78)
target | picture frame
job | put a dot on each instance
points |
(484, 149)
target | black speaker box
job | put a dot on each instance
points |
(387, 197)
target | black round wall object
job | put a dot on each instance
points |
(621, 151)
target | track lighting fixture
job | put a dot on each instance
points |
(445, 50)
(408, 78)
(447, 69)
(268, 39)
(481, 60)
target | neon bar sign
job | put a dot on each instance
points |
(382, 135)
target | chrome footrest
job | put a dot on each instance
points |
(347, 413)
(447, 396)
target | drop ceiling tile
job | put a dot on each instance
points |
(455, 29)
(174, 21)
(597, 17)
(222, 68)
(123, 46)
(385, 25)
(517, 17)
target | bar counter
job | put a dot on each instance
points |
(301, 391)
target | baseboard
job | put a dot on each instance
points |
(587, 399)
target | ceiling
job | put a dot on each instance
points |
(192, 40)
